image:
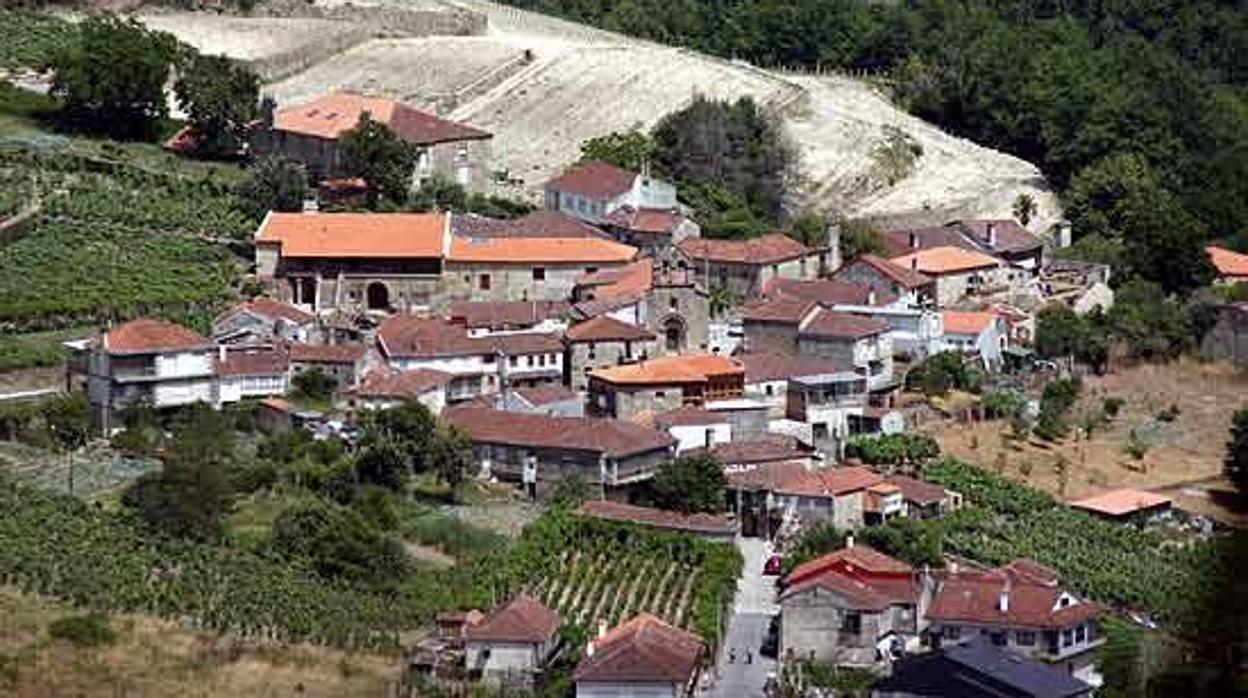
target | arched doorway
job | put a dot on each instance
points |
(674, 334)
(378, 296)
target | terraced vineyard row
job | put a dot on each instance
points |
(602, 589)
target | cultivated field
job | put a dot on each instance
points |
(1190, 447)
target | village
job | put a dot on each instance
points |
(587, 444)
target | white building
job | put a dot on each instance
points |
(512, 642)
(591, 191)
(984, 334)
(642, 658)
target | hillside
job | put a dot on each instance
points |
(543, 85)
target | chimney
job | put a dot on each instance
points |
(849, 541)
(953, 568)
(914, 240)
(589, 648)
(602, 629)
(871, 296)
(914, 263)
(991, 234)
(221, 352)
(1003, 600)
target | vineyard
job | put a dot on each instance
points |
(1106, 561)
(594, 571)
(29, 38)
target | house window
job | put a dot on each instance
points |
(1025, 638)
(660, 394)
(488, 358)
(590, 353)
(513, 361)
(998, 638)
(530, 360)
(1081, 633)
(541, 360)
(673, 303)
(590, 270)
(484, 282)
(769, 390)
(463, 152)
(952, 632)
(539, 274)
(1068, 637)
(851, 623)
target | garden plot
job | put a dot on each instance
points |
(433, 72)
(274, 47)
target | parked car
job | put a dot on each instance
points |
(774, 565)
(771, 642)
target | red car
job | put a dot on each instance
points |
(774, 565)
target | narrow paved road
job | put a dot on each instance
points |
(753, 608)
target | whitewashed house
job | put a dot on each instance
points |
(512, 642)
(644, 657)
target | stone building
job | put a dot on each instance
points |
(960, 273)
(914, 289)
(664, 300)
(512, 643)
(1228, 338)
(1002, 239)
(310, 134)
(743, 267)
(345, 363)
(602, 342)
(663, 384)
(526, 268)
(592, 191)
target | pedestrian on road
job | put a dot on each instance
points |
(749, 656)
(732, 655)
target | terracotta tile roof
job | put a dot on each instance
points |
(792, 477)
(861, 593)
(626, 281)
(967, 322)
(277, 403)
(783, 310)
(366, 235)
(845, 479)
(1032, 591)
(715, 524)
(605, 328)
(502, 315)
(903, 276)
(685, 368)
(611, 437)
(151, 336)
(689, 415)
(761, 449)
(523, 619)
(600, 306)
(938, 261)
(768, 249)
(329, 116)
(546, 394)
(594, 180)
(414, 336)
(1121, 502)
(773, 366)
(541, 223)
(642, 650)
(405, 385)
(832, 323)
(656, 221)
(536, 250)
(1011, 238)
(862, 558)
(326, 353)
(828, 292)
(254, 361)
(917, 491)
(264, 306)
(1228, 263)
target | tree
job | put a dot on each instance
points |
(219, 96)
(1236, 462)
(385, 465)
(1060, 332)
(110, 78)
(340, 544)
(630, 149)
(68, 420)
(410, 427)
(384, 161)
(823, 537)
(273, 184)
(859, 237)
(690, 484)
(451, 456)
(315, 384)
(810, 229)
(916, 542)
(1024, 208)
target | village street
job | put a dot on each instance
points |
(752, 611)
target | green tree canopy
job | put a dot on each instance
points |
(630, 149)
(384, 161)
(339, 544)
(1236, 461)
(689, 484)
(451, 456)
(273, 184)
(220, 98)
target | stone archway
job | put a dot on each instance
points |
(675, 334)
(377, 296)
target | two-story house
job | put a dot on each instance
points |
(512, 643)
(914, 289)
(959, 272)
(790, 494)
(311, 134)
(850, 340)
(642, 657)
(146, 360)
(982, 334)
(263, 320)
(663, 299)
(743, 267)
(1022, 606)
(592, 191)
(663, 384)
(601, 342)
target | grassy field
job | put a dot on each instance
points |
(36, 349)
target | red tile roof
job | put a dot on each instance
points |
(330, 116)
(605, 328)
(862, 593)
(666, 370)
(326, 353)
(1121, 502)
(642, 650)
(938, 261)
(611, 437)
(414, 336)
(151, 336)
(594, 180)
(828, 292)
(715, 524)
(254, 361)
(774, 366)
(967, 322)
(903, 276)
(796, 478)
(1011, 237)
(627, 281)
(546, 394)
(783, 310)
(274, 309)
(832, 323)
(541, 223)
(523, 619)
(657, 221)
(356, 235)
(859, 557)
(502, 315)
(772, 248)
(1227, 262)
(538, 250)
(689, 415)
(405, 385)
(918, 491)
(1032, 592)
(760, 449)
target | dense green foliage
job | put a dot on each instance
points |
(893, 449)
(30, 40)
(942, 372)
(110, 78)
(273, 184)
(220, 97)
(438, 193)
(630, 149)
(37, 348)
(1236, 461)
(1055, 404)
(689, 484)
(906, 539)
(339, 543)
(86, 630)
(372, 152)
(823, 537)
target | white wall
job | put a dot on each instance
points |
(184, 364)
(184, 392)
(585, 689)
(692, 436)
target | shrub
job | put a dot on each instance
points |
(89, 630)
(1135, 447)
(893, 449)
(1112, 405)
(339, 544)
(1169, 414)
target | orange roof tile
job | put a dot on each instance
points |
(1228, 262)
(967, 322)
(594, 180)
(1121, 502)
(329, 116)
(690, 368)
(944, 260)
(605, 328)
(518, 250)
(767, 249)
(644, 650)
(370, 235)
(523, 619)
(149, 335)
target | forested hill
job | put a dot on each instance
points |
(1067, 84)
